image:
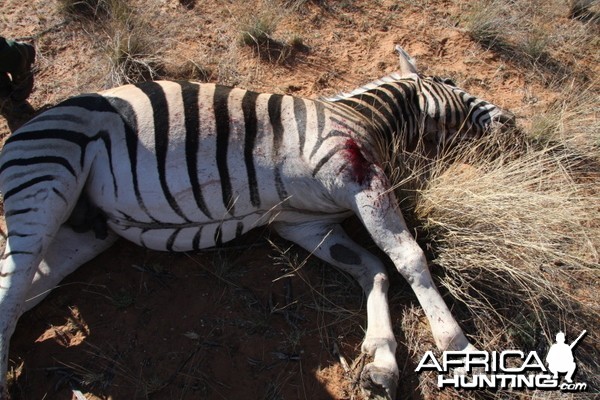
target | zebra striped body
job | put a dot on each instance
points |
(181, 166)
(150, 176)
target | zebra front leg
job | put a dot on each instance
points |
(380, 214)
(330, 243)
(67, 252)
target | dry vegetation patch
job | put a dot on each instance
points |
(538, 35)
(517, 237)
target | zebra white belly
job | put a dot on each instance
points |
(187, 236)
(200, 235)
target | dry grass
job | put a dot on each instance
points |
(583, 10)
(516, 229)
(88, 9)
(537, 35)
(258, 29)
(572, 120)
(513, 221)
(132, 53)
(124, 36)
(257, 32)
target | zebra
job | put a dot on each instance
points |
(182, 166)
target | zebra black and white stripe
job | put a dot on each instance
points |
(181, 166)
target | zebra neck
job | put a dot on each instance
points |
(389, 108)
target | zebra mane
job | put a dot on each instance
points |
(393, 77)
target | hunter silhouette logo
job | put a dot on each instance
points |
(507, 369)
(560, 357)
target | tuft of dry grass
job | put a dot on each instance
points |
(88, 9)
(571, 120)
(258, 28)
(124, 36)
(133, 56)
(485, 23)
(257, 32)
(516, 229)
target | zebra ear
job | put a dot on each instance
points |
(407, 63)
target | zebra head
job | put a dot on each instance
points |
(447, 112)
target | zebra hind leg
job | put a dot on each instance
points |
(68, 251)
(34, 210)
(65, 253)
(22, 255)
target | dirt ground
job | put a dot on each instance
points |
(237, 323)
(137, 324)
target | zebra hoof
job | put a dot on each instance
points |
(378, 383)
